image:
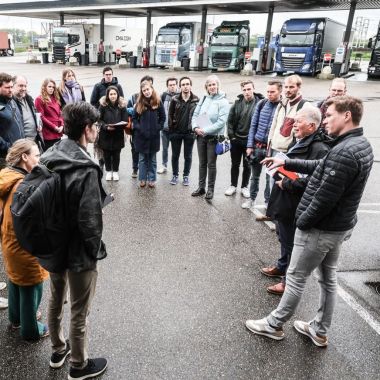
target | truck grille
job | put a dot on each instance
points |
(376, 57)
(292, 63)
(165, 55)
(59, 53)
(221, 59)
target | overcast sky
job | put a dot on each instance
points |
(258, 21)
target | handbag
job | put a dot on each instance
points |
(222, 146)
(129, 127)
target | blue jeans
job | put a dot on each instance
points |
(165, 147)
(259, 155)
(188, 143)
(313, 250)
(147, 167)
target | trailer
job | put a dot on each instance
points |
(6, 44)
(374, 62)
(82, 42)
(302, 44)
(228, 44)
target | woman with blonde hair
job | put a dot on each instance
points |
(25, 275)
(70, 91)
(49, 106)
(148, 120)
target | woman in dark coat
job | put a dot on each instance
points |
(148, 121)
(111, 138)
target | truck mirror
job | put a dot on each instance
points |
(318, 39)
(277, 38)
(369, 46)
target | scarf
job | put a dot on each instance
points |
(72, 92)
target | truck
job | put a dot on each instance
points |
(228, 44)
(178, 40)
(82, 41)
(6, 44)
(302, 44)
(374, 62)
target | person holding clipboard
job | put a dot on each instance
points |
(113, 119)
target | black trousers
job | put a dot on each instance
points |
(238, 152)
(112, 160)
(207, 162)
(50, 143)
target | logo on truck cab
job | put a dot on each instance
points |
(123, 38)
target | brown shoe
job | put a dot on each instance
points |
(272, 272)
(277, 289)
(263, 218)
(152, 184)
(142, 183)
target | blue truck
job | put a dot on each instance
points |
(302, 44)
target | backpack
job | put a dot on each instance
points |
(39, 217)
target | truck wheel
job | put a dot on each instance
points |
(11, 52)
(79, 58)
(241, 66)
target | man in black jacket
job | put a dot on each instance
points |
(100, 88)
(81, 178)
(238, 124)
(310, 144)
(325, 218)
(181, 111)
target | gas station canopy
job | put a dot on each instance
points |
(53, 9)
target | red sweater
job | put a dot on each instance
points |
(51, 118)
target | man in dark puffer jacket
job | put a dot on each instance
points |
(325, 219)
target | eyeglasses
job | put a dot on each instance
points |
(96, 125)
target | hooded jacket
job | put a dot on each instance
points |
(111, 114)
(11, 124)
(21, 267)
(84, 196)
(100, 89)
(239, 118)
(216, 107)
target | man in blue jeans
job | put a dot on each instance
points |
(325, 218)
(258, 138)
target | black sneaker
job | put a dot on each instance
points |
(93, 368)
(57, 360)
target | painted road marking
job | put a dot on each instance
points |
(368, 212)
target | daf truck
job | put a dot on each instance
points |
(6, 44)
(374, 62)
(228, 44)
(178, 40)
(302, 44)
(82, 40)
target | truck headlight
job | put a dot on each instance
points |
(306, 67)
(278, 66)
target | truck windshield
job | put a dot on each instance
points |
(168, 38)
(60, 40)
(224, 40)
(296, 39)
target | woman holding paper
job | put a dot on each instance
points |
(208, 122)
(113, 118)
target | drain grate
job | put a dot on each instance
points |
(375, 286)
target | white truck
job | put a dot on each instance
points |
(82, 42)
(7, 46)
(178, 40)
(43, 44)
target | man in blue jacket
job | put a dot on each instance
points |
(11, 124)
(258, 139)
(325, 218)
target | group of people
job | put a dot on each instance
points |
(317, 160)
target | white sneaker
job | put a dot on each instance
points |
(3, 303)
(108, 176)
(162, 170)
(305, 329)
(230, 191)
(3, 285)
(249, 203)
(245, 192)
(262, 327)
(115, 176)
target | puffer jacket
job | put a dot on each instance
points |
(261, 122)
(100, 89)
(111, 114)
(175, 109)
(239, 118)
(81, 178)
(21, 267)
(216, 107)
(336, 185)
(11, 124)
(147, 127)
(283, 203)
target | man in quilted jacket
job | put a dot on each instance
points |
(325, 218)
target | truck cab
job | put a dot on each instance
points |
(374, 62)
(66, 39)
(228, 44)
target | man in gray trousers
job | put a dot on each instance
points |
(325, 218)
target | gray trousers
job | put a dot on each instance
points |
(313, 250)
(207, 162)
(82, 289)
